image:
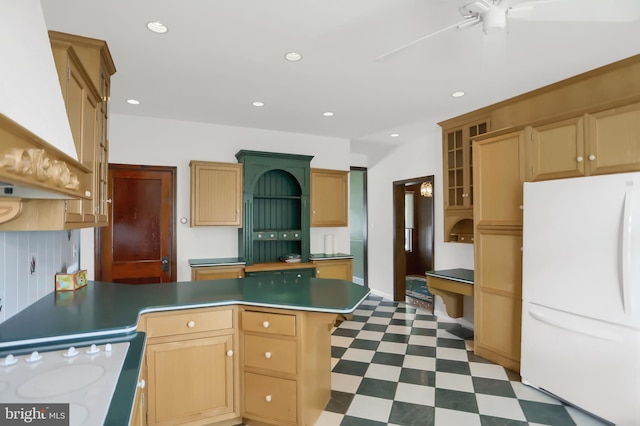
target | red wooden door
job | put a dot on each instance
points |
(138, 245)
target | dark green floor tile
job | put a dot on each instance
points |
(450, 343)
(499, 421)
(339, 402)
(417, 350)
(493, 387)
(388, 359)
(546, 414)
(417, 377)
(456, 400)
(406, 414)
(356, 421)
(371, 345)
(351, 367)
(375, 327)
(450, 366)
(398, 338)
(378, 388)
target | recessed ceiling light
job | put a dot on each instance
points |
(157, 27)
(293, 56)
(257, 103)
(328, 114)
(133, 102)
(394, 135)
(457, 94)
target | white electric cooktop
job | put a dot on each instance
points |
(84, 377)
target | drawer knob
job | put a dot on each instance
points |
(142, 384)
(579, 159)
(267, 398)
(592, 157)
(267, 355)
(265, 324)
(229, 352)
(191, 324)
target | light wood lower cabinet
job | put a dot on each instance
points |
(191, 366)
(139, 409)
(205, 273)
(286, 365)
(229, 365)
(341, 269)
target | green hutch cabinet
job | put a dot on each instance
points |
(275, 205)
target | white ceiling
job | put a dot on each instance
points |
(221, 55)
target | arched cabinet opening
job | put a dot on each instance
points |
(276, 206)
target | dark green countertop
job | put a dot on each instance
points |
(105, 312)
(458, 274)
(102, 309)
(326, 256)
(220, 261)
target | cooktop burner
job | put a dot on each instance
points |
(83, 377)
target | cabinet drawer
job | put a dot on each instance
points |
(190, 321)
(268, 323)
(270, 354)
(299, 273)
(270, 397)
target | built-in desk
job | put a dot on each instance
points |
(452, 285)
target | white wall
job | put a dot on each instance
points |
(422, 157)
(140, 140)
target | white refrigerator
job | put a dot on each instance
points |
(581, 293)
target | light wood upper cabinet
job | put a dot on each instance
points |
(329, 198)
(457, 161)
(590, 144)
(556, 150)
(84, 67)
(498, 190)
(216, 194)
(613, 140)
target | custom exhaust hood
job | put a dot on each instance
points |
(38, 156)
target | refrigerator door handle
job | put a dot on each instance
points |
(626, 250)
(583, 330)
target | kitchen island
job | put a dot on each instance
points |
(114, 312)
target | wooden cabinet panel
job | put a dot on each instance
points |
(613, 142)
(205, 273)
(268, 323)
(341, 269)
(188, 321)
(216, 194)
(190, 380)
(329, 197)
(498, 296)
(499, 177)
(274, 355)
(271, 398)
(556, 150)
(191, 366)
(457, 166)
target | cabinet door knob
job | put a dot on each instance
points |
(267, 355)
(229, 352)
(267, 398)
(191, 324)
(592, 157)
(579, 159)
(142, 384)
(265, 324)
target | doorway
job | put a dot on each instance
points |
(358, 223)
(413, 246)
(138, 246)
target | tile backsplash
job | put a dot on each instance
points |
(28, 264)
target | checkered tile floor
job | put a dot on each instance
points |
(395, 364)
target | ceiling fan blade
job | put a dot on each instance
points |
(575, 10)
(466, 23)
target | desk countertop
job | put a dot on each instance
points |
(458, 274)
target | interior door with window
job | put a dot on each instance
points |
(138, 246)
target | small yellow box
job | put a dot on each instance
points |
(69, 282)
